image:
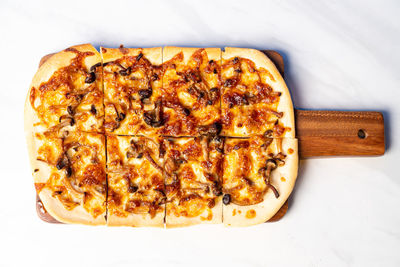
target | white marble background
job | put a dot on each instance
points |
(339, 55)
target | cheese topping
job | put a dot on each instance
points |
(247, 168)
(77, 169)
(135, 181)
(72, 97)
(191, 94)
(193, 175)
(132, 82)
(249, 104)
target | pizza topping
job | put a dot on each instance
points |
(91, 77)
(212, 130)
(249, 178)
(226, 199)
(145, 93)
(154, 117)
(250, 214)
(66, 92)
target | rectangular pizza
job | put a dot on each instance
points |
(159, 137)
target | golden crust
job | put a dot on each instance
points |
(172, 221)
(154, 54)
(137, 220)
(76, 216)
(235, 215)
(277, 83)
(170, 51)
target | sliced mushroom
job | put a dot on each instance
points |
(154, 117)
(152, 161)
(270, 165)
(212, 129)
(170, 165)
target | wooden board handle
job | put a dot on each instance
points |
(339, 133)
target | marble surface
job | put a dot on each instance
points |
(339, 56)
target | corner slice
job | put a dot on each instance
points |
(191, 85)
(69, 175)
(132, 96)
(135, 181)
(258, 176)
(255, 99)
(67, 92)
(193, 180)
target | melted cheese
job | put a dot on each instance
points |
(136, 185)
(249, 104)
(73, 170)
(196, 176)
(191, 83)
(243, 160)
(125, 74)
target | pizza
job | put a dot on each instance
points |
(67, 92)
(135, 181)
(258, 176)
(191, 91)
(161, 136)
(193, 180)
(132, 90)
(255, 99)
(69, 171)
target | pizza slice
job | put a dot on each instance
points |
(69, 175)
(193, 180)
(132, 96)
(259, 174)
(135, 181)
(191, 97)
(255, 99)
(67, 92)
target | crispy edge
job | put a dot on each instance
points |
(44, 73)
(174, 222)
(270, 206)
(262, 61)
(153, 54)
(76, 216)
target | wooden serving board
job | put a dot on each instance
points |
(319, 133)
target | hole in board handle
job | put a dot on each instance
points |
(361, 134)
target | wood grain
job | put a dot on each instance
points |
(339, 133)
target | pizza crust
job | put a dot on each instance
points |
(170, 51)
(173, 221)
(77, 215)
(235, 215)
(137, 220)
(278, 84)
(153, 54)
(44, 73)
